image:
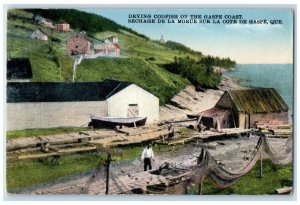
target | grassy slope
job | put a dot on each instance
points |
(50, 63)
(137, 47)
(41, 54)
(145, 74)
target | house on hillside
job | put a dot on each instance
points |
(63, 27)
(78, 44)
(37, 18)
(246, 108)
(108, 47)
(62, 104)
(39, 35)
(19, 70)
(113, 49)
(43, 21)
(113, 39)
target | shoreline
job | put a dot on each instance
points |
(230, 83)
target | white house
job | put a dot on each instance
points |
(39, 35)
(108, 47)
(60, 104)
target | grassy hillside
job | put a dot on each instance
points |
(46, 57)
(50, 62)
(81, 20)
(145, 74)
(137, 47)
(143, 60)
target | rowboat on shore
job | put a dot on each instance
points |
(120, 121)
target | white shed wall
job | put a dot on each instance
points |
(117, 105)
(52, 114)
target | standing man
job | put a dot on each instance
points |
(146, 156)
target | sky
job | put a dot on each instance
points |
(244, 43)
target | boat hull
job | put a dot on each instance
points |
(112, 122)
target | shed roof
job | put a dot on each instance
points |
(63, 91)
(258, 100)
(80, 35)
(19, 68)
(214, 112)
(41, 31)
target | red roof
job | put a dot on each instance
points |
(213, 112)
(117, 46)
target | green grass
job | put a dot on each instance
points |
(136, 47)
(29, 172)
(47, 58)
(14, 134)
(274, 176)
(50, 62)
(149, 76)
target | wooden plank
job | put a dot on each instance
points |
(27, 155)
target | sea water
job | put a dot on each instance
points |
(278, 76)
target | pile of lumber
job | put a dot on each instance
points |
(48, 146)
(273, 124)
(275, 128)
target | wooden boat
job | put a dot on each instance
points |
(114, 121)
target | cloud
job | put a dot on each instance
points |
(253, 27)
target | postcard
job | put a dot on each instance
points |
(144, 101)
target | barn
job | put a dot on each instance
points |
(39, 35)
(61, 104)
(19, 70)
(78, 44)
(246, 109)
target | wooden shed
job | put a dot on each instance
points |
(217, 118)
(252, 106)
(246, 109)
(61, 104)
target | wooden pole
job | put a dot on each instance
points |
(200, 186)
(108, 160)
(261, 165)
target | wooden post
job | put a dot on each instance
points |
(261, 165)
(108, 160)
(200, 186)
